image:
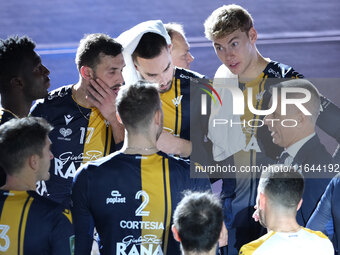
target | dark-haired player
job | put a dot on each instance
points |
(83, 114)
(29, 223)
(147, 51)
(198, 221)
(279, 197)
(129, 196)
(23, 79)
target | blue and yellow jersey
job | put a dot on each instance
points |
(80, 135)
(259, 149)
(130, 200)
(176, 103)
(5, 116)
(304, 241)
(31, 224)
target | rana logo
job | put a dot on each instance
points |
(204, 98)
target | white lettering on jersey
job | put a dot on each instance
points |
(89, 156)
(177, 100)
(4, 229)
(116, 197)
(58, 167)
(41, 188)
(146, 245)
(141, 224)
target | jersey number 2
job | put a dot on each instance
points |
(139, 211)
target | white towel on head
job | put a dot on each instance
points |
(226, 140)
(130, 39)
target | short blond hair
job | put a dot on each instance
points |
(227, 19)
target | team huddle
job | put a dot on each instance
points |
(106, 160)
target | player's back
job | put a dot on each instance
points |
(31, 224)
(131, 199)
(305, 241)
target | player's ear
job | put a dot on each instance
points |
(262, 200)
(175, 233)
(118, 118)
(299, 204)
(16, 82)
(158, 117)
(252, 34)
(33, 161)
(86, 72)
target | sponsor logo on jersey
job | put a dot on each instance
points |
(259, 96)
(141, 224)
(69, 171)
(65, 132)
(276, 74)
(147, 245)
(68, 118)
(88, 156)
(177, 100)
(116, 198)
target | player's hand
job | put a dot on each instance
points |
(103, 97)
(165, 142)
(171, 144)
(223, 240)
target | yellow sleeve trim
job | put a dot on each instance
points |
(251, 247)
(318, 233)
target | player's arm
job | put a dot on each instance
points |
(171, 144)
(62, 236)
(323, 213)
(104, 98)
(82, 218)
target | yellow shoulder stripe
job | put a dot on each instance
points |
(251, 247)
(318, 233)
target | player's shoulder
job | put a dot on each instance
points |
(187, 74)
(49, 208)
(5, 116)
(315, 234)
(91, 166)
(276, 69)
(176, 162)
(55, 96)
(251, 247)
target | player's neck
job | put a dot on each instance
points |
(211, 252)
(256, 66)
(79, 93)
(283, 223)
(139, 144)
(19, 182)
(11, 105)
